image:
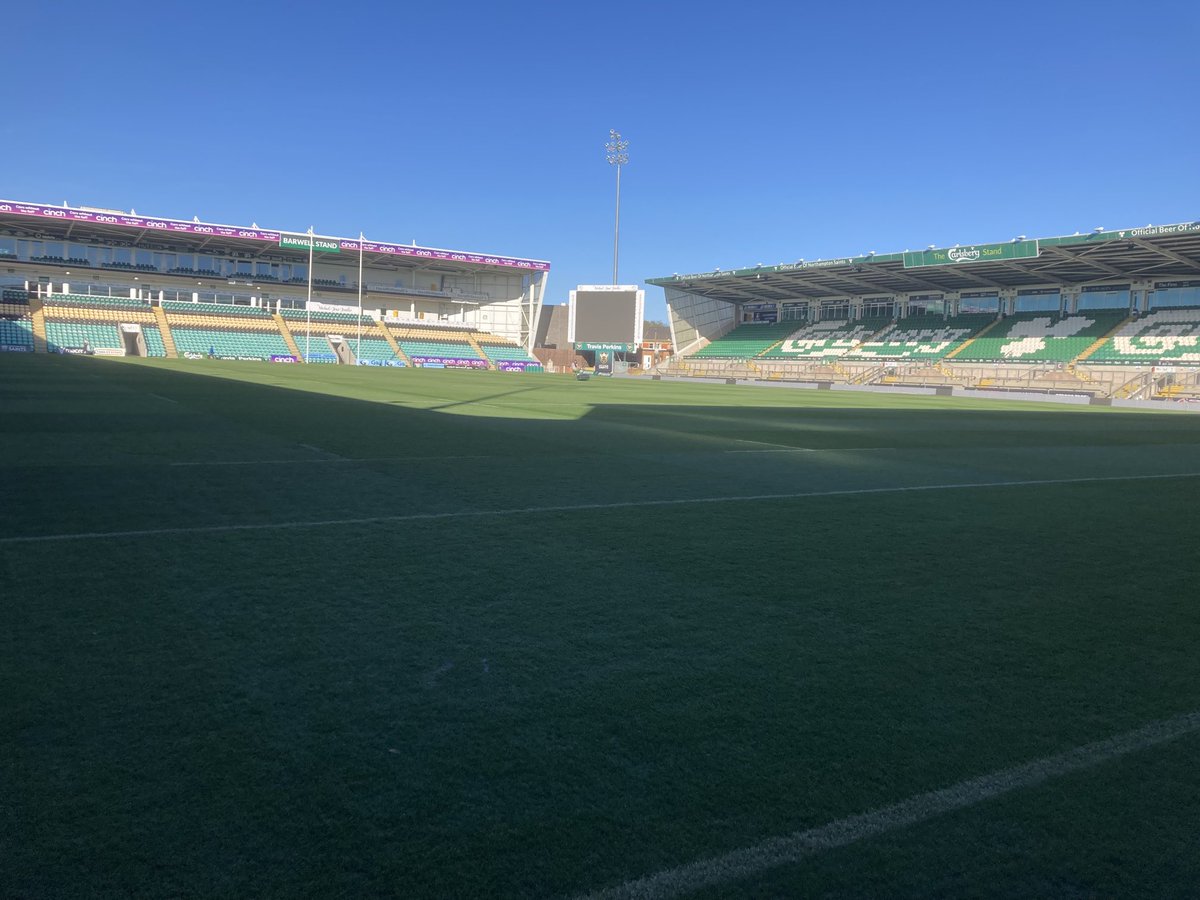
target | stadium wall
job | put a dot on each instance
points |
(695, 320)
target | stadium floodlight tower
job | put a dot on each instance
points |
(616, 154)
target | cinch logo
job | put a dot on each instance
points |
(963, 255)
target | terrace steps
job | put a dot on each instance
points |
(390, 338)
(164, 329)
(288, 338)
(1099, 342)
(479, 350)
(969, 341)
(37, 316)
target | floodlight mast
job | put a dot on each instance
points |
(615, 153)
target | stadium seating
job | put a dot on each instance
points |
(498, 350)
(76, 334)
(15, 295)
(241, 332)
(95, 314)
(423, 341)
(373, 349)
(154, 341)
(226, 342)
(1164, 336)
(218, 309)
(16, 333)
(88, 300)
(314, 348)
(435, 349)
(61, 260)
(342, 319)
(823, 340)
(745, 341)
(131, 267)
(1041, 337)
(199, 273)
(926, 338)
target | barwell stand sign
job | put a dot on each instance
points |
(322, 245)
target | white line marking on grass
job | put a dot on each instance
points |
(799, 845)
(791, 447)
(571, 507)
(328, 453)
(819, 449)
(162, 398)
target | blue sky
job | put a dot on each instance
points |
(759, 132)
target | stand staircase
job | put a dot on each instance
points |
(38, 317)
(387, 336)
(969, 341)
(479, 350)
(164, 329)
(288, 338)
(1099, 342)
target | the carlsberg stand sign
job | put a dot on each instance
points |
(325, 245)
(973, 253)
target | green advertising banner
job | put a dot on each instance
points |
(325, 245)
(612, 348)
(973, 253)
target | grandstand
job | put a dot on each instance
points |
(142, 286)
(1076, 313)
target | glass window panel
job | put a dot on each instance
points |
(1180, 296)
(1039, 303)
(1104, 300)
(988, 304)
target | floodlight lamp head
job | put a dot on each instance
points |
(616, 148)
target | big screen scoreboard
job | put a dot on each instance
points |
(603, 316)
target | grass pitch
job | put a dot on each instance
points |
(276, 681)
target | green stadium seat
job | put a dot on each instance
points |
(1161, 337)
(1041, 337)
(746, 340)
(920, 338)
(823, 340)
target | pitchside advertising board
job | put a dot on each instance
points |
(606, 318)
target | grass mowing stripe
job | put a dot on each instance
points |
(573, 507)
(332, 459)
(796, 847)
